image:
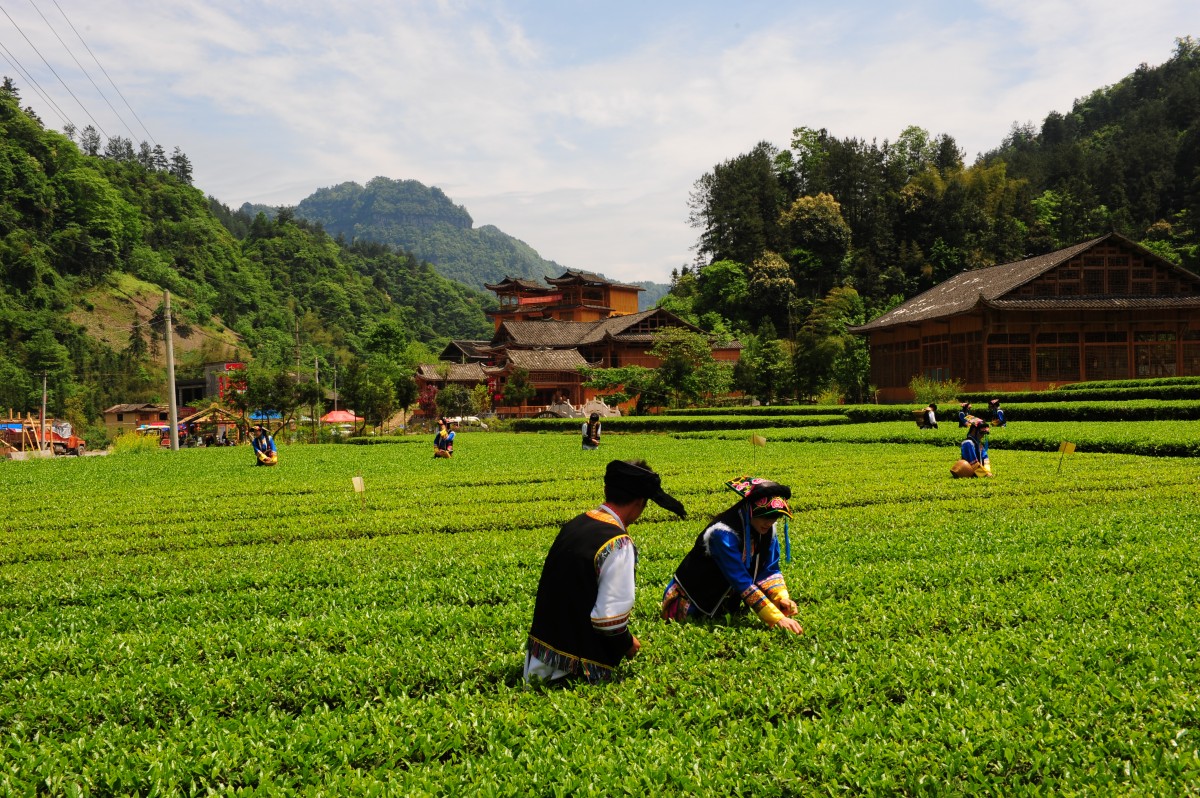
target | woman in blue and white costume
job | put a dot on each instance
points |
(964, 414)
(734, 563)
(998, 419)
(975, 448)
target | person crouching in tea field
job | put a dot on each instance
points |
(580, 629)
(997, 415)
(591, 433)
(964, 414)
(264, 447)
(928, 417)
(734, 563)
(443, 441)
(974, 452)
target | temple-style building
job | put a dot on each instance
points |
(575, 296)
(550, 332)
(1105, 309)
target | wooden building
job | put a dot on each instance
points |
(1105, 309)
(128, 417)
(552, 353)
(574, 296)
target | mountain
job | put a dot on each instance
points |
(422, 220)
(89, 243)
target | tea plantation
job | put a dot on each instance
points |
(187, 623)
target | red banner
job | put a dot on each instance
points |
(539, 300)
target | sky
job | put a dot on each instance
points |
(577, 127)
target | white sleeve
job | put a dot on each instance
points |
(614, 600)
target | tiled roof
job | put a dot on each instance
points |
(963, 291)
(136, 407)
(563, 334)
(577, 275)
(1096, 303)
(546, 359)
(988, 286)
(519, 282)
(472, 349)
(459, 372)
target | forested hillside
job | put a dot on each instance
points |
(88, 243)
(797, 244)
(424, 221)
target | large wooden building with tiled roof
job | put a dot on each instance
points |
(579, 320)
(1105, 309)
(574, 296)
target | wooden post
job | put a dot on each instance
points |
(173, 410)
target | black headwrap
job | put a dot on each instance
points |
(642, 483)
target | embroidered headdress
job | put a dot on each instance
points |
(763, 499)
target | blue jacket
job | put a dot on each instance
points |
(972, 454)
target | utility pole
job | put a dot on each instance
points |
(297, 351)
(316, 422)
(173, 414)
(42, 441)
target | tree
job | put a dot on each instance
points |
(89, 141)
(724, 287)
(370, 389)
(736, 207)
(687, 369)
(181, 166)
(771, 289)
(827, 353)
(622, 384)
(818, 240)
(16, 388)
(481, 400)
(517, 388)
(453, 400)
(765, 368)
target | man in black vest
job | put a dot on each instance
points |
(581, 617)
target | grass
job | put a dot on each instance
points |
(185, 623)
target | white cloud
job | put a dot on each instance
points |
(582, 135)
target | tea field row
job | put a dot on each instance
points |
(185, 623)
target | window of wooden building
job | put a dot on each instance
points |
(893, 365)
(1008, 357)
(1057, 356)
(1154, 354)
(1190, 352)
(966, 356)
(1106, 355)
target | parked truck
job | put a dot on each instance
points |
(23, 434)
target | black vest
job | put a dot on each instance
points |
(701, 579)
(562, 616)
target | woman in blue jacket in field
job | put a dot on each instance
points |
(443, 441)
(997, 414)
(964, 414)
(975, 448)
(264, 447)
(734, 564)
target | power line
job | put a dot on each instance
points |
(82, 69)
(105, 71)
(52, 69)
(12, 59)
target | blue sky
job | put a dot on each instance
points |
(578, 127)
